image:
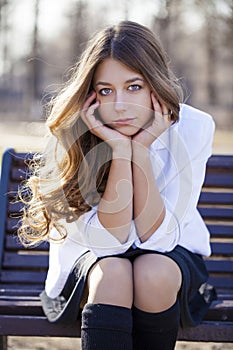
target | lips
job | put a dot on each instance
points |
(125, 121)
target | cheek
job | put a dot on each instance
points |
(148, 101)
(144, 100)
(144, 105)
(105, 111)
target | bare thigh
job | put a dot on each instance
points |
(110, 281)
(157, 280)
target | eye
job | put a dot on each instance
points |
(105, 92)
(134, 87)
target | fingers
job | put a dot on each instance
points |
(161, 108)
(156, 104)
(162, 119)
(87, 114)
(89, 107)
(165, 111)
(89, 100)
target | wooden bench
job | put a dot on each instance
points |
(23, 271)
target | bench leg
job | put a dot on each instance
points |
(3, 342)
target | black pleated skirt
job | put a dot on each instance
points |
(195, 294)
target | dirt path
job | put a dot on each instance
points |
(22, 343)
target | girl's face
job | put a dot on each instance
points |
(124, 96)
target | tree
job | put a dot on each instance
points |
(79, 28)
(35, 63)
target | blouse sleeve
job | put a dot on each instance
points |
(183, 176)
(99, 240)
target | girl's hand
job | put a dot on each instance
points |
(114, 139)
(159, 124)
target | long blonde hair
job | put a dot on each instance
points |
(72, 169)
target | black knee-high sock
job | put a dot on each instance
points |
(106, 327)
(155, 331)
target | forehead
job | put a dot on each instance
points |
(111, 70)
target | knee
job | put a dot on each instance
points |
(115, 269)
(111, 281)
(157, 275)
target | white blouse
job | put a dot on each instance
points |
(178, 159)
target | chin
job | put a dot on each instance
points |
(128, 131)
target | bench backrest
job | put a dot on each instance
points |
(216, 207)
(25, 269)
(21, 268)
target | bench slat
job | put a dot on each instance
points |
(220, 162)
(218, 180)
(39, 326)
(220, 310)
(12, 225)
(219, 248)
(12, 243)
(216, 198)
(13, 188)
(21, 307)
(15, 208)
(36, 326)
(222, 231)
(21, 291)
(25, 261)
(216, 213)
(19, 173)
(221, 282)
(208, 332)
(224, 266)
(23, 277)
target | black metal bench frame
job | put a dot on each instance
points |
(23, 271)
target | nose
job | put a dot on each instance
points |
(120, 104)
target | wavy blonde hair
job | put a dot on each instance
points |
(72, 170)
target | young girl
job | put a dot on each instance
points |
(115, 193)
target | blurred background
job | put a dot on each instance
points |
(40, 40)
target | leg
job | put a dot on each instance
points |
(157, 280)
(107, 317)
(111, 282)
(3, 342)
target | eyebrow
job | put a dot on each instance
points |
(127, 81)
